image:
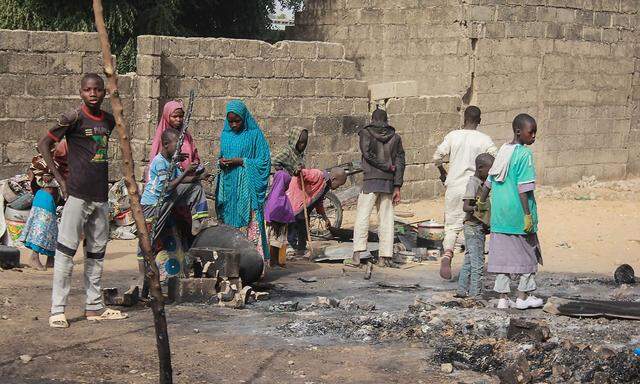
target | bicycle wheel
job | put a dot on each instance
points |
(333, 209)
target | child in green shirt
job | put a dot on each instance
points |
(514, 247)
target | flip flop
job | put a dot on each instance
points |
(445, 267)
(109, 314)
(58, 321)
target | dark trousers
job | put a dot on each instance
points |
(297, 234)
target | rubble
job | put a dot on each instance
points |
(287, 306)
(350, 303)
(524, 330)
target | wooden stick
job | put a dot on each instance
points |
(157, 302)
(306, 215)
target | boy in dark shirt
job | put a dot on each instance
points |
(383, 163)
(475, 231)
(86, 129)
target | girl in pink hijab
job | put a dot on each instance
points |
(172, 116)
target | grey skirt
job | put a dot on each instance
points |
(514, 253)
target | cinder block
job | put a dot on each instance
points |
(147, 65)
(482, 13)
(316, 69)
(343, 69)
(288, 68)
(259, 68)
(287, 107)
(147, 45)
(84, 42)
(246, 48)
(214, 87)
(260, 107)
(192, 290)
(216, 47)
(8, 130)
(330, 51)
(198, 67)
(317, 107)
(20, 151)
(302, 87)
(181, 46)
(12, 85)
(340, 106)
(356, 88)
(148, 87)
(14, 40)
(230, 67)
(303, 50)
(171, 65)
(279, 50)
(272, 87)
(326, 87)
(393, 90)
(244, 87)
(48, 41)
(28, 63)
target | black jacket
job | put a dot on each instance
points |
(381, 148)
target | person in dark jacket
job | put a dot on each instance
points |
(383, 166)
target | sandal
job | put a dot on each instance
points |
(58, 321)
(109, 314)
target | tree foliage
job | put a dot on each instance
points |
(127, 19)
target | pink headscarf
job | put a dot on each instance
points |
(188, 145)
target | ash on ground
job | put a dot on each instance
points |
(473, 335)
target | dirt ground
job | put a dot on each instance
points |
(586, 231)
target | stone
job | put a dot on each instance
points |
(350, 303)
(525, 330)
(446, 367)
(326, 302)
(25, 358)
(287, 306)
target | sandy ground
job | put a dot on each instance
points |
(580, 237)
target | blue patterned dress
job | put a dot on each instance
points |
(41, 230)
(241, 191)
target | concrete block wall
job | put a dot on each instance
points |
(40, 76)
(571, 64)
(422, 121)
(308, 84)
(394, 41)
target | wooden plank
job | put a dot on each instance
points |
(593, 308)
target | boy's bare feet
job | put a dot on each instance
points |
(34, 262)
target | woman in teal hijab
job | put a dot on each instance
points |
(245, 162)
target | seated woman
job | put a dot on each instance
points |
(173, 117)
(244, 163)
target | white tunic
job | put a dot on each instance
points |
(463, 146)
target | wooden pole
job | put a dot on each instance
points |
(157, 300)
(306, 216)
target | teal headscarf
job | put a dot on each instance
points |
(242, 190)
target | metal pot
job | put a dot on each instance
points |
(431, 230)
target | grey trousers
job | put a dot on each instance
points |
(527, 283)
(91, 219)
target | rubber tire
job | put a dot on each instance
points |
(336, 203)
